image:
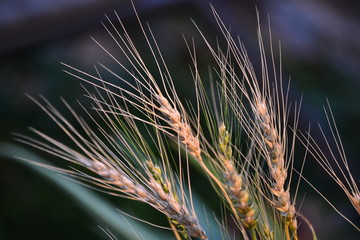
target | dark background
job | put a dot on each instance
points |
(320, 51)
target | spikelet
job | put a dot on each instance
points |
(268, 234)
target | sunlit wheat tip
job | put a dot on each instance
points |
(182, 128)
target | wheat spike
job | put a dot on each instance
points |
(276, 164)
(115, 164)
(267, 130)
(240, 197)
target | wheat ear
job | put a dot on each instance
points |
(184, 225)
(241, 198)
(157, 102)
(117, 163)
(276, 164)
(262, 130)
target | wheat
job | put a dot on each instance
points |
(240, 196)
(179, 125)
(264, 129)
(121, 159)
(276, 164)
(117, 167)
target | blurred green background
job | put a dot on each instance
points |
(320, 51)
